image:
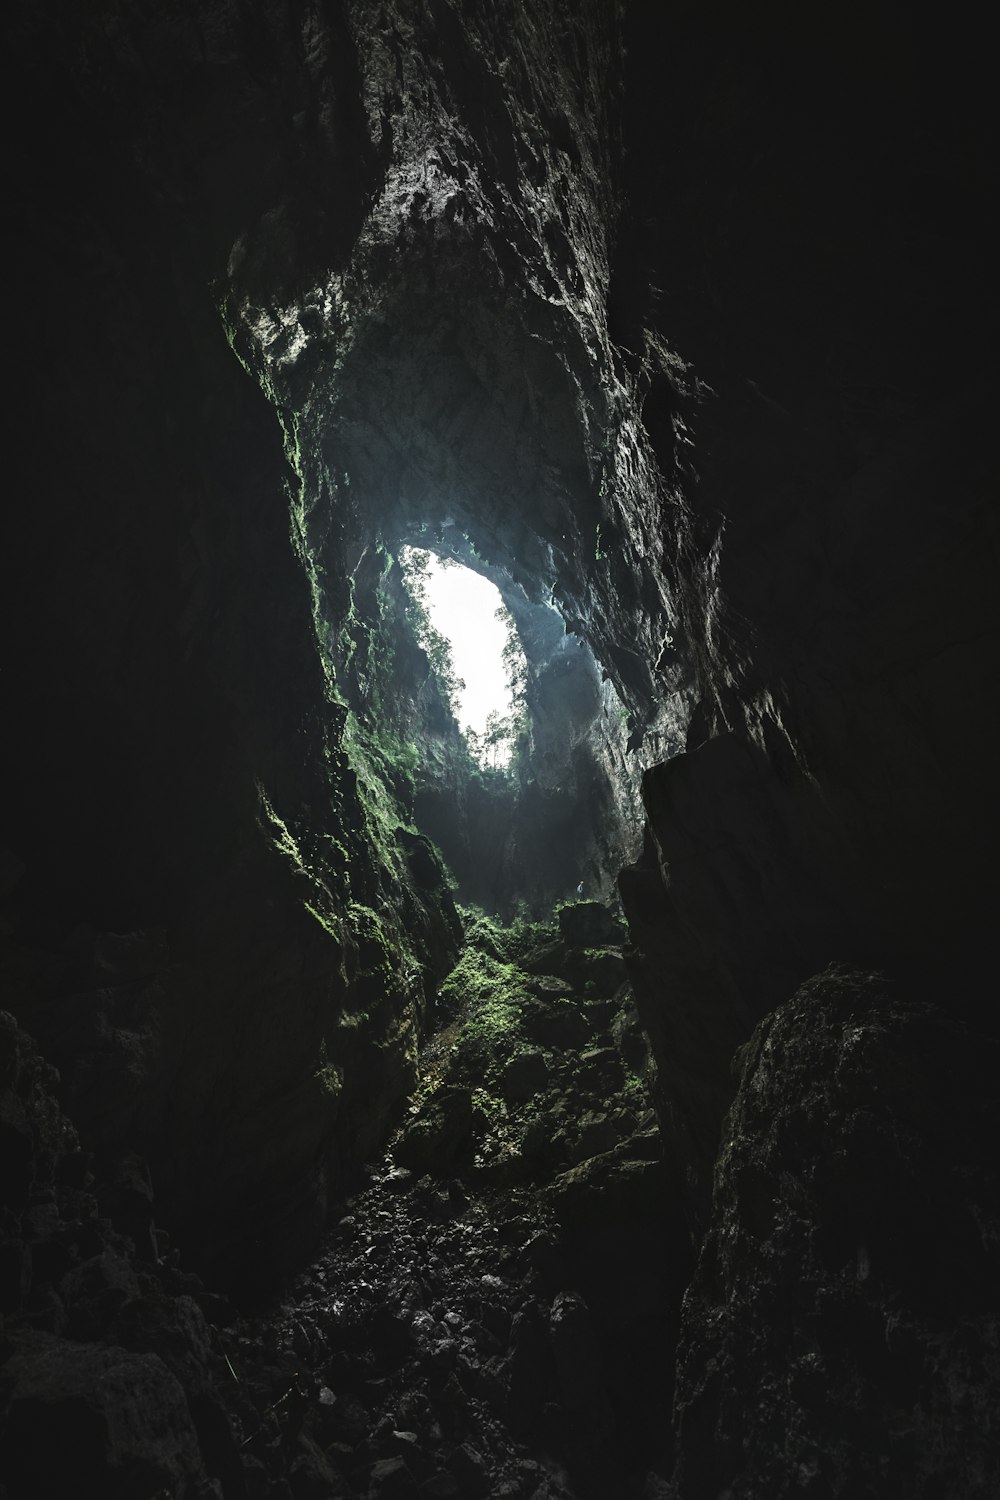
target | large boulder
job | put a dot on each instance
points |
(839, 1337)
(586, 924)
(88, 1420)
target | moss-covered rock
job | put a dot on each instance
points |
(585, 924)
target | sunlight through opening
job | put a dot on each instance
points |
(463, 625)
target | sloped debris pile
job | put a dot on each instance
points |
(485, 1318)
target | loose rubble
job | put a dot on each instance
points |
(476, 1322)
(485, 1317)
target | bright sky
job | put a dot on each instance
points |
(463, 605)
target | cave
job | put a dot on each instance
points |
(613, 1126)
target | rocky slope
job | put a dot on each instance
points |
(846, 1275)
(486, 1318)
(683, 317)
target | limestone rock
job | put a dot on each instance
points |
(585, 924)
(437, 1135)
(525, 1074)
(94, 1420)
(836, 1330)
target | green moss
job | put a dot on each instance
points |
(383, 765)
(335, 852)
(329, 1077)
(635, 1093)
(278, 831)
(481, 931)
(523, 936)
(325, 922)
(366, 928)
(492, 1109)
(507, 944)
(489, 994)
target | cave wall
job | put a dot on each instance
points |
(685, 315)
(845, 1277)
(828, 279)
(569, 807)
(196, 892)
(650, 313)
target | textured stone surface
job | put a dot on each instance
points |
(839, 1337)
(835, 798)
(627, 377)
(686, 316)
(94, 1420)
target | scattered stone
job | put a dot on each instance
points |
(435, 1138)
(601, 1066)
(312, 1477)
(441, 1486)
(391, 1479)
(557, 1023)
(524, 1076)
(471, 1470)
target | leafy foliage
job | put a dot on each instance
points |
(414, 564)
(508, 944)
(506, 737)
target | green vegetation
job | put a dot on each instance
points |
(491, 989)
(414, 562)
(527, 1080)
(487, 991)
(488, 996)
(635, 1092)
(330, 1078)
(507, 943)
(385, 769)
(380, 961)
(278, 831)
(502, 747)
(324, 922)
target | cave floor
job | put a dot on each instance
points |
(490, 1313)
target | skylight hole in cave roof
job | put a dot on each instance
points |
(469, 612)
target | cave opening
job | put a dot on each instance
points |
(471, 639)
(612, 304)
(543, 797)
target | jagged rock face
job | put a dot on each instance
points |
(514, 842)
(812, 238)
(450, 378)
(683, 316)
(203, 928)
(104, 1382)
(694, 413)
(838, 1337)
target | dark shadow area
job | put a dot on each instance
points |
(677, 322)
